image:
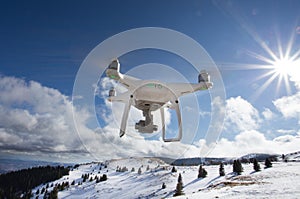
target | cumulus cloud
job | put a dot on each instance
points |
(35, 119)
(241, 115)
(255, 142)
(268, 114)
(289, 106)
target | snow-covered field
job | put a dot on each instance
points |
(280, 181)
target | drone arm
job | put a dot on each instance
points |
(185, 88)
(113, 72)
(129, 82)
(122, 97)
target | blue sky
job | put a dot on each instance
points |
(43, 45)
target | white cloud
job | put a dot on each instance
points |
(289, 106)
(286, 131)
(255, 142)
(35, 119)
(241, 115)
(294, 73)
(268, 114)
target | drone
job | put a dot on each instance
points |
(151, 95)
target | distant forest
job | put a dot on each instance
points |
(18, 184)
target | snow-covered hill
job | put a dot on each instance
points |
(280, 181)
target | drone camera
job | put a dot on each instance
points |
(112, 92)
(143, 128)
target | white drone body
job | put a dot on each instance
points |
(151, 95)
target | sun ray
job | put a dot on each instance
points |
(290, 45)
(260, 57)
(278, 84)
(295, 56)
(264, 75)
(287, 84)
(279, 46)
(263, 87)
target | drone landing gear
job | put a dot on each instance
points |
(125, 117)
(179, 136)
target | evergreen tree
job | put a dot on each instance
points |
(124, 169)
(140, 171)
(132, 170)
(268, 163)
(283, 157)
(148, 168)
(237, 167)
(179, 187)
(256, 165)
(103, 178)
(202, 173)
(43, 190)
(173, 169)
(222, 170)
(163, 186)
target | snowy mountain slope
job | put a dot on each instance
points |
(293, 156)
(280, 181)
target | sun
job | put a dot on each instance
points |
(285, 67)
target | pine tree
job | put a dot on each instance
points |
(256, 165)
(237, 167)
(124, 169)
(132, 170)
(163, 186)
(202, 173)
(179, 187)
(268, 163)
(222, 170)
(173, 169)
(103, 178)
(140, 171)
(283, 157)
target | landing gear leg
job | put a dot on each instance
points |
(125, 117)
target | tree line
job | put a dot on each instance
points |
(18, 184)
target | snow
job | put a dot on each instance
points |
(280, 181)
